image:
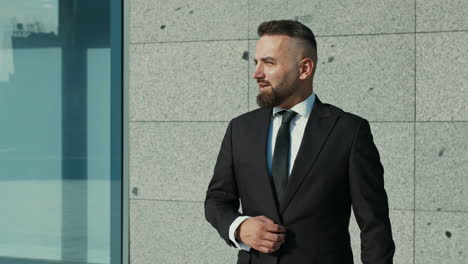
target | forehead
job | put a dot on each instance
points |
(270, 45)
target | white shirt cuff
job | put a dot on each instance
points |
(232, 229)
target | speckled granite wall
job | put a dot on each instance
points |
(402, 64)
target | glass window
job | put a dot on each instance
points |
(61, 132)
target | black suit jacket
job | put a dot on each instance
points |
(337, 166)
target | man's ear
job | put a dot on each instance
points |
(306, 67)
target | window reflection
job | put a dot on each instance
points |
(56, 147)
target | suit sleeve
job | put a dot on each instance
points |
(369, 199)
(222, 199)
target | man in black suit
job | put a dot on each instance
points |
(297, 166)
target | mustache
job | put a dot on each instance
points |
(262, 82)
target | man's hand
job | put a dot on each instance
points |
(262, 234)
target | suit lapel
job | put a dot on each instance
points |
(318, 127)
(258, 148)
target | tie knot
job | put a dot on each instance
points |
(287, 116)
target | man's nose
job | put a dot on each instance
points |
(258, 73)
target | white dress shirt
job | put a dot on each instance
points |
(296, 129)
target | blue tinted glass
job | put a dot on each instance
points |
(60, 139)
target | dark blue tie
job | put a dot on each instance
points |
(280, 164)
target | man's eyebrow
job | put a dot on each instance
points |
(268, 58)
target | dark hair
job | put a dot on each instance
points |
(289, 28)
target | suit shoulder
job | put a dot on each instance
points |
(348, 118)
(251, 116)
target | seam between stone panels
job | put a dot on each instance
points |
(248, 57)
(414, 187)
(442, 31)
(442, 211)
(432, 211)
(442, 121)
(414, 136)
(414, 149)
(390, 209)
(364, 34)
(317, 36)
(415, 62)
(248, 18)
(248, 75)
(177, 121)
(224, 121)
(188, 41)
(400, 209)
(391, 33)
(244, 39)
(164, 200)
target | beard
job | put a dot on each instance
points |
(275, 96)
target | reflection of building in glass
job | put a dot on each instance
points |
(23, 36)
(6, 57)
(32, 35)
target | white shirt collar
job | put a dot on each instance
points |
(302, 109)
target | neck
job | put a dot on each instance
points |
(296, 98)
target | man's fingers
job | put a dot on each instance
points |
(275, 237)
(262, 233)
(266, 219)
(268, 244)
(266, 250)
(275, 228)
